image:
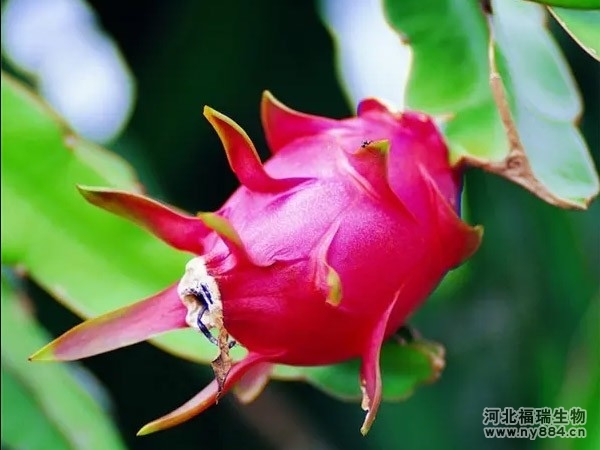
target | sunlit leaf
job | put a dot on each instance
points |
(574, 4)
(544, 102)
(44, 407)
(91, 261)
(583, 26)
(447, 37)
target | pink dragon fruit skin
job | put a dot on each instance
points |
(318, 257)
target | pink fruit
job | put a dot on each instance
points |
(318, 257)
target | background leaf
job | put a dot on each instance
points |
(574, 4)
(43, 216)
(583, 26)
(542, 95)
(545, 101)
(459, 51)
(44, 407)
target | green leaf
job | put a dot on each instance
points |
(403, 367)
(23, 415)
(572, 4)
(583, 26)
(44, 406)
(89, 260)
(544, 103)
(446, 37)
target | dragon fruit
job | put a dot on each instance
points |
(318, 257)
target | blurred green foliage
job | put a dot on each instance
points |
(50, 407)
(521, 330)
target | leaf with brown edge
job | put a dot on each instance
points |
(537, 145)
(524, 164)
(515, 166)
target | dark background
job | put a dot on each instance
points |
(512, 329)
